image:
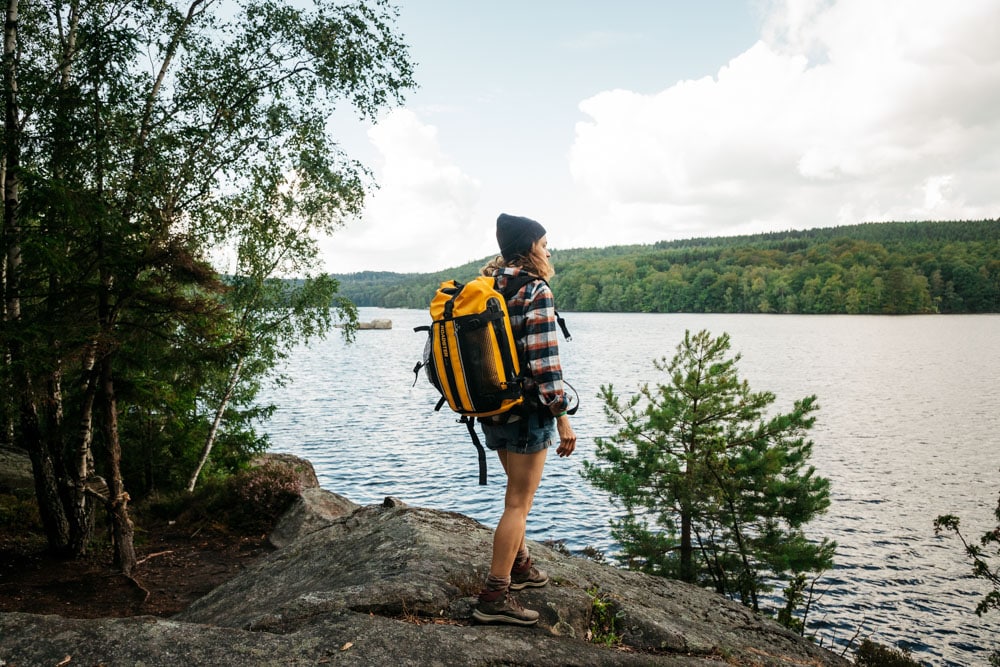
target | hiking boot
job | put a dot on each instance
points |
(503, 609)
(528, 577)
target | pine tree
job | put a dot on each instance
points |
(715, 492)
(982, 568)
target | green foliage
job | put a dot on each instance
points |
(876, 268)
(18, 515)
(257, 497)
(798, 596)
(248, 502)
(979, 555)
(155, 150)
(594, 554)
(605, 614)
(872, 654)
(715, 491)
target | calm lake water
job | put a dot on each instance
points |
(908, 429)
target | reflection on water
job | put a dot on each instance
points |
(907, 429)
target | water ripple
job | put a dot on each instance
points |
(908, 428)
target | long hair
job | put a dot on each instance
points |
(534, 262)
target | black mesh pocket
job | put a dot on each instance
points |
(485, 380)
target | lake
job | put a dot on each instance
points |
(908, 429)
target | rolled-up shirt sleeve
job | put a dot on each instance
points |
(541, 346)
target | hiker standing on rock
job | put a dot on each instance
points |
(522, 439)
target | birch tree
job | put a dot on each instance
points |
(131, 130)
(270, 315)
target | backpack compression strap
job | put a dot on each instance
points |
(470, 422)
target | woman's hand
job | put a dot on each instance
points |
(567, 438)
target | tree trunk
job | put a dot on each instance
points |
(50, 506)
(12, 167)
(77, 465)
(81, 507)
(121, 526)
(52, 418)
(7, 404)
(687, 548)
(234, 378)
(123, 549)
(687, 569)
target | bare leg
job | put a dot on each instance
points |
(502, 453)
(524, 473)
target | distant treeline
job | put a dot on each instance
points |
(872, 268)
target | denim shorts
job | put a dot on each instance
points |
(508, 436)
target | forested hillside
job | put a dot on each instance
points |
(893, 267)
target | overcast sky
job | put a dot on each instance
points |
(645, 120)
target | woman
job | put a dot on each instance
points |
(522, 440)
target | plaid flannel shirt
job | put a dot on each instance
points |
(533, 320)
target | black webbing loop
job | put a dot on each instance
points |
(471, 423)
(562, 325)
(420, 364)
(449, 305)
(571, 409)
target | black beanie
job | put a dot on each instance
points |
(515, 235)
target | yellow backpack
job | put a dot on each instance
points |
(473, 360)
(470, 355)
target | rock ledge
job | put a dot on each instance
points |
(391, 584)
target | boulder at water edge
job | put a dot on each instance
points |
(394, 585)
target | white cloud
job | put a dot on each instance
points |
(421, 217)
(858, 110)
(843, 111)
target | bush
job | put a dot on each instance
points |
(605, 615)
(871, 654)
(257, 497)
(250, 502)
(19, 515)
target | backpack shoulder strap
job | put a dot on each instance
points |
(515, 283)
